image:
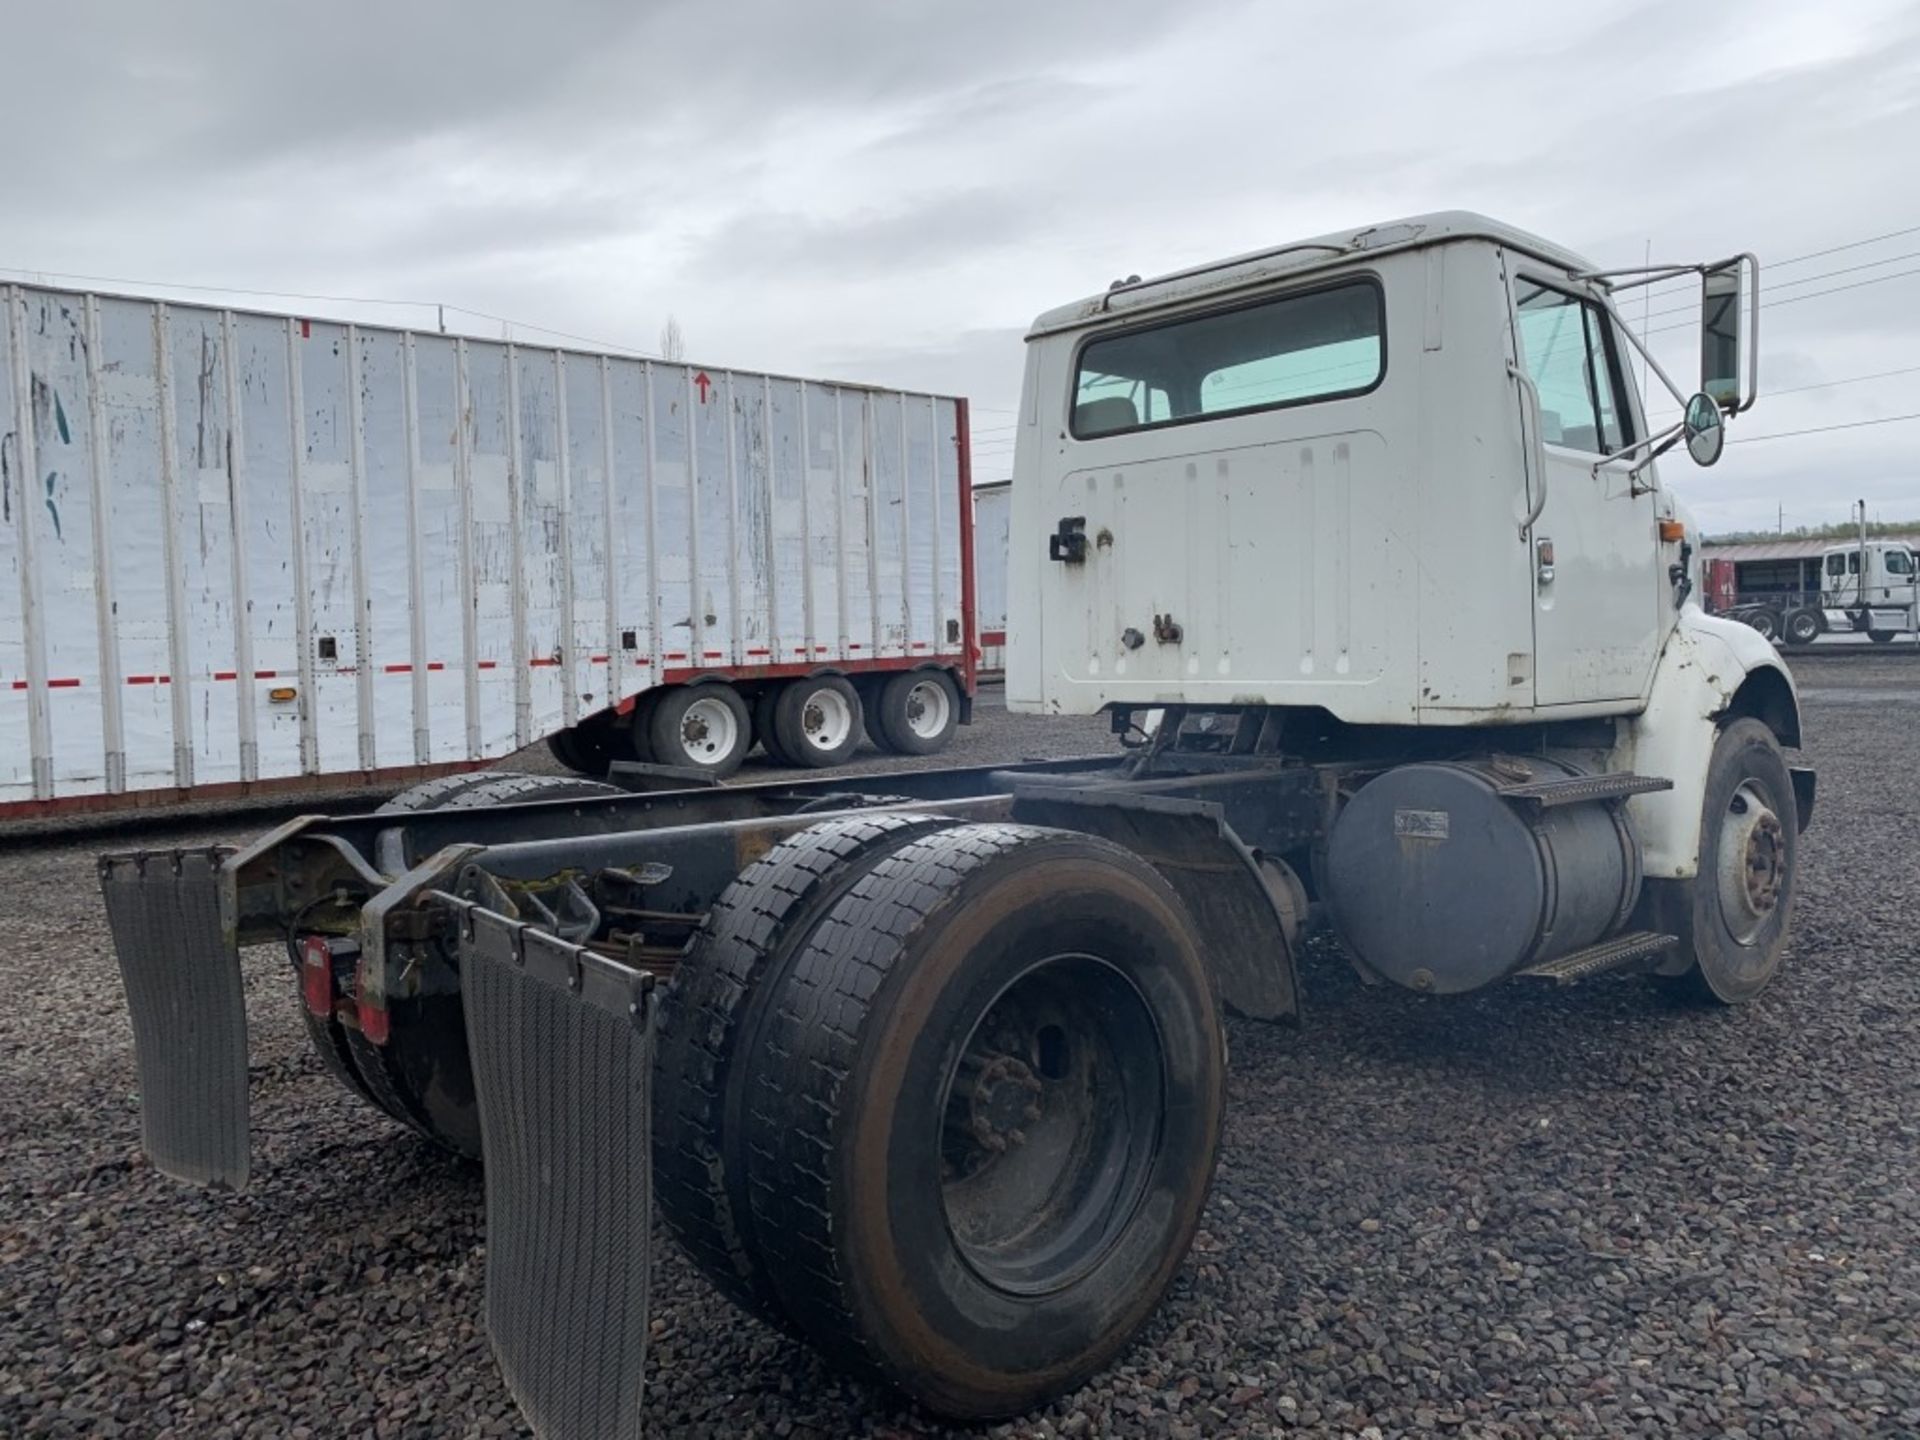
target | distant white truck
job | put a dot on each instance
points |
(1865, 586)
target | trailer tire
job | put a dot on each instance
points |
(1881, 637)
(764, 730)
(918, 712)
(818, 720)
(590, 747)
(940, 1199)
(702, 727)
(709, 1019)
(1734, 918)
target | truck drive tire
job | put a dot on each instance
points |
(817, 720)
(1881, 637)
(1766, 621)
(590, 747)
(986, 1108)
(917, 713)
(703, 727)
(710, 1018)
(1733, 919)
(420, 1076)
(1804, 626)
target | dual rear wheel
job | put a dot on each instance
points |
(944, 1100)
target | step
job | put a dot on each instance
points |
(1578, 789)
(1598, 959)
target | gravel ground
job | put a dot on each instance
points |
(1531, 1213)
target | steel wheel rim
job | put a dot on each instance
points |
(927, 709)
(826, 719)
(709, 731)
(1048, 1124)
(1751, 863)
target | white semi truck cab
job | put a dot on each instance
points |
(1870, 586)
(931, 1064)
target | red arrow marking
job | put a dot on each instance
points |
(703, 381)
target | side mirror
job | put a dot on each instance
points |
(1706, 432)
(1720, 337)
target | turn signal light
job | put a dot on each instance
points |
(281, 694)
(1672, 531)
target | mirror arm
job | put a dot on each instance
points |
(1674, 390)
(1654, 445)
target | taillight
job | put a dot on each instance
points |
(374, 1020)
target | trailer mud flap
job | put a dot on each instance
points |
(562, 1050)
(181, 969)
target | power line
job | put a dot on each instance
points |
(1805, 280)
(1681, 281)
(1810, 295)
(1821, 429)
(1829, 384)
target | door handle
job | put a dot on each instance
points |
(1543, 556)
(1068, 543)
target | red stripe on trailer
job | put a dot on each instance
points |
(436, 665)
(266, 674)
(596, 659)
(543, 660)
(713, 654)
(676, 655)
(993, 637)
(759, 652)
(922, 645)
(489, 665)
(149, 679)
(226, 674)
(397, 669)
(856, 647)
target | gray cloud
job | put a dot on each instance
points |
(891, 190)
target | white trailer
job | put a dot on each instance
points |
(992, 543)
(242, 552)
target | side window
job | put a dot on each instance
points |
(1568, 349)
(1853, 562)
(1899, 562)
(1836, 564)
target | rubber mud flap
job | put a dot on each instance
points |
(562, 1048)
(182, 976)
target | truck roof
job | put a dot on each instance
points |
(1256, 266)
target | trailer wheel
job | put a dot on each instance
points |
(918, 712)
(764, 729)
(986, 1107)
(1735, 915)
(590, 747)
(1804, 626)
(708, 1020)
(817, 720)
(704, 727)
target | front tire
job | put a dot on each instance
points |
(1734, 917)
(987, 1107)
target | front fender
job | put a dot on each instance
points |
(1711, 669)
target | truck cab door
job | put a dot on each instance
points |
(1596, 573)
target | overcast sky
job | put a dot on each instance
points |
(890, 191)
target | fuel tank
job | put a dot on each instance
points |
(1441, 878)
